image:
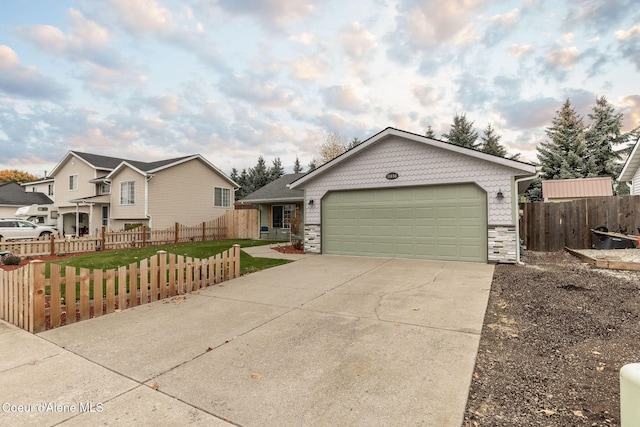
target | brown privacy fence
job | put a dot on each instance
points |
(233, 225)
(549, 227)
(33, 302)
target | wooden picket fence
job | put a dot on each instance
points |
(233, 225)
(80, 296)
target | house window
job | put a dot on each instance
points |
(221, 197)
(105, 188)
(128, 193)
(50, 190)
(73, 182)
(281, 215)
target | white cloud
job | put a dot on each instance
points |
(25, 81)
(434, 23)
(563, 58)
(143, 16)
(627, 34)
(309, 68)
(343, 98)
(426, 95)
(306, 38)
(519, 50)
(357, 42)
(274, 14)
(507, 19)
(257, 91)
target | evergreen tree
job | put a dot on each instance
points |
(491, 143)
(563, 155)
(602, 135)
(533, 193)
(354, 143)
(234, 174)
(297, 168)
(430, 133)
(276, 171)
(312, 165)
(462, 133)
(244, 186)
(259, 175)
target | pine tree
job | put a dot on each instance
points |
(312, 165)
(602, 135)
(491, 143)
(297, 168)
(354, 143)
(259, 175)
(430, 133)
(244, 185)
(462, 133)
(563, 155)
(276, 171)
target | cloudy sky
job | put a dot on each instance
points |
(235, 79)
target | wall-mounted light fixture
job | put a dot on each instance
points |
(500, 196)
(311, 202)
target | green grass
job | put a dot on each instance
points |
(112, 259)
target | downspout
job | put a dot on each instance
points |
(517, 210)
(146, 199)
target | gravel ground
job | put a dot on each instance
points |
(555, 335)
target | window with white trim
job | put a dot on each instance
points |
(281, 215)
(221, 197)
(73, 182)
(128, 193)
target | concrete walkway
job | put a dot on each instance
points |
(322, 341)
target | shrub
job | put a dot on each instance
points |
(11, 259)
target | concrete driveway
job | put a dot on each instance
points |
(323, 341)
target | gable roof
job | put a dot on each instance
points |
(111, 164)
(577, 188)
(13, 194)
(276, 191)
(527, 169)
(631, 165)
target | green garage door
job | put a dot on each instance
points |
(447, 222)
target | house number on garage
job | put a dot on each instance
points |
(392, 175)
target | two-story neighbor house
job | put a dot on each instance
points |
(92, 191)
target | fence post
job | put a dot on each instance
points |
(144, 235)
(236, 260)
(104, 246)
(52, 244)
(36, 296)
(176, 234)
(204, 228)
(162, 273)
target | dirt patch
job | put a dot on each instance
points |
(288, 249)
(47, 258)
(555, 335)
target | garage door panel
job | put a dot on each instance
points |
(442, 222)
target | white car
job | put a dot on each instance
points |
(14, 229)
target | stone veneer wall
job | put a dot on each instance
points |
(312, 238)
(502, 244)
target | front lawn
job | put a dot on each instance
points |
(113, 259)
